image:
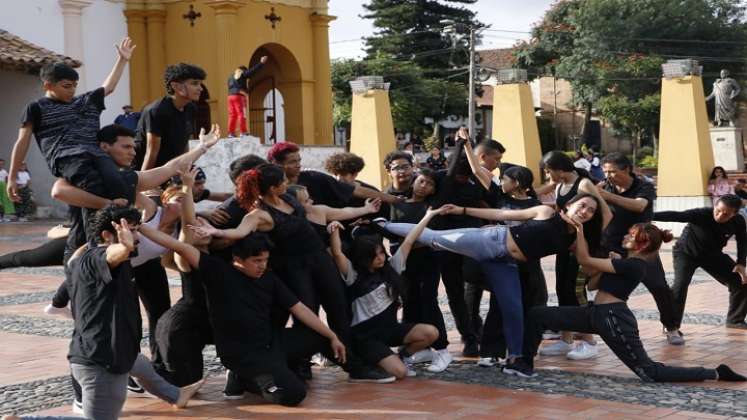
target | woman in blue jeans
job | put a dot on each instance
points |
(498, 248)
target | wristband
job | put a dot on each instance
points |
(464, 211)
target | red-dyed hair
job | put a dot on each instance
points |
(254, 183)
(279, 151)
(648, 233)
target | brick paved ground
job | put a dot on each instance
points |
(33, 368)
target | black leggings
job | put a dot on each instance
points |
(45, 255)
(719, 267)
(152, 286)
(420, 302)
(616, 326)
(656, 283)
(567, 287)
(182, 333)
(268, 374)
(533, 293)
(315, 280)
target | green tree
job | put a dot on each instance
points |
(611, 50)
(412, 96)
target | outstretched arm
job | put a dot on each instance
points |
(536, 212)
(347, 213)
(407, 244)
(363, 192)
(253, 221)
(335, 246)
(124, 52)
(74, 196)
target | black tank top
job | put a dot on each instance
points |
(193, 289)
(293, 234)
(540, 238)
(562, 199)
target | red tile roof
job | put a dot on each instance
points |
(500, 58)
(18, 54)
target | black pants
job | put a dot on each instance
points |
(182, 333)
(656, 283)
(474, 286)
(533, 293)
(616, 326)
(315, 280)
(46, 254)
(451, 267)
(420, 303)
(152, 286)
(719, 267)
(268, 374)
(566, 281)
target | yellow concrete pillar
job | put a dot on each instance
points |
(515, 126)
(685, 153)
(322, 79)
(372, 133)
(156, 34)
(139, 63)
(226, 57)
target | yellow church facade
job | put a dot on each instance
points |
(220, 35)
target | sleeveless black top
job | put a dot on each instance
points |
(562, 199)
(293, 234)
(540, 238)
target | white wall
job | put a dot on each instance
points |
(41, 22)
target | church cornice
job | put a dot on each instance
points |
(317, 6)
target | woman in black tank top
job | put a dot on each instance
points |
(497, 248)
(609, 315)
(299, 258)
(569, 286)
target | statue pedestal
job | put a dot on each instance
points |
(727, 148)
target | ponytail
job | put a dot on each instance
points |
(254, 183)
(648, 233)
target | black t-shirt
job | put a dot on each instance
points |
(64, 129)
(107, 328)
(234, 210)
(324, 189)
(174, 127)
(242, 309)
(466, 194)
(623, 219)
(703, 237)
(540, 238)
(628, 273)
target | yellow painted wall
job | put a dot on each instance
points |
(248, 35)
(372, 134)
(515, 126)
(685, 154)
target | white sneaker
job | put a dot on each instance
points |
(582, 351)
(441, 360)
(559, 348)
(421, 356)
(551, 335)
(63, 312)
(410, 371)
(490, 361)
(23, 219)
(77, 407)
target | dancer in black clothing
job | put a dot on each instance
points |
(569, 285)
(701, 245)
(300, 258)
(631, 199)
(609, 315)
(243, 301)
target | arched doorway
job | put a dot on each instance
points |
(282, 75)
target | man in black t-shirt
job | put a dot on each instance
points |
(166, 125)
(246, 304)
(701, 245)
(631, 200)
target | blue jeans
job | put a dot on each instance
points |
(487, 246)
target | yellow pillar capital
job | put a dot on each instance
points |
(320, 20)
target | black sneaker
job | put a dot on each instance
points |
(737, 325)
(233, 389)
(519, 367)
(134, 389)
(303, 370)
(471, 349)
(371, 376)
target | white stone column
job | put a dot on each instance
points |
(72, 13)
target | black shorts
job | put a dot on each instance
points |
(81, 171)
(375, 344)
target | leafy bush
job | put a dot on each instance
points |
(648, 162)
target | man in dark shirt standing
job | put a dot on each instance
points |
(166, 125)
(701, 245)
(631, 200)
(237, 96)
(128, 119)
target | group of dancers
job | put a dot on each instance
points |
(289, 242)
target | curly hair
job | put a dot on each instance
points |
(279, 151)
(102, 220)
(395, 155)
(344, 163)
(254, 183)
(181, 72)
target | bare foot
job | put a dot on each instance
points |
(187, 392)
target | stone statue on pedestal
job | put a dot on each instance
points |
(725, 92)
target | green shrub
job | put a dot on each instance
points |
(648, 162)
